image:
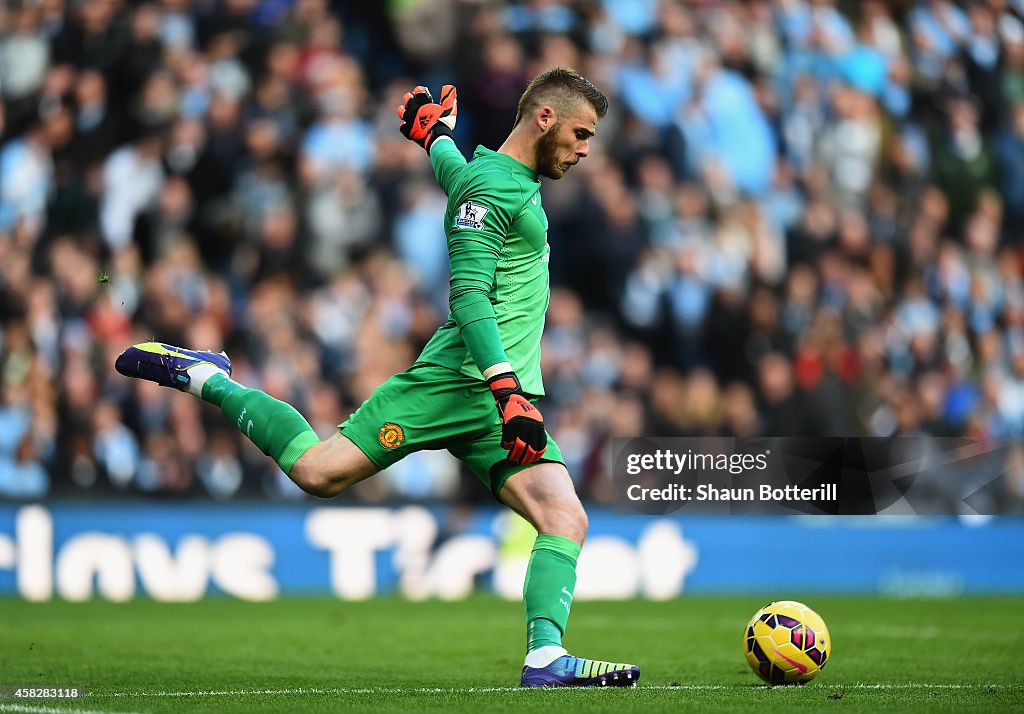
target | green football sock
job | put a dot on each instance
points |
(275, 427)
(547, 591)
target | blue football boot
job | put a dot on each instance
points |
(166, 365)
(569, 671)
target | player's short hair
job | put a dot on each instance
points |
(560, 87)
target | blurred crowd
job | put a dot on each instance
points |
(799, 218)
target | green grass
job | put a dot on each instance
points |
(320, 655)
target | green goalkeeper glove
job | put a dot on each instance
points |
(423, 121)
(522, 431)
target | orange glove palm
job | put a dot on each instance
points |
(423, 120)
(522, 430)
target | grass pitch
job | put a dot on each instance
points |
(316, 655)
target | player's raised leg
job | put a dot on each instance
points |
(321, 468)
(544, 495)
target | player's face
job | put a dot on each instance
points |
(565, 143)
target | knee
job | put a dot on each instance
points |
(578, 522)
(312, 481)
(316, 481)
(566, 519)
(330, 467)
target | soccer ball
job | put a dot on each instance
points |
(786, 642)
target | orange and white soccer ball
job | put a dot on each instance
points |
(786, 642)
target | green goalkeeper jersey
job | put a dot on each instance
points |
(498, 252)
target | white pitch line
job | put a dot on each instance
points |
(488, 690)
(28, 709)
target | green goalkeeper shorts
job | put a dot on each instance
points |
(431, 407)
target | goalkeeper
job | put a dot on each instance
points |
(486, 355)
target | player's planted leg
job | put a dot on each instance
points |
(547, 597)
(544, 495)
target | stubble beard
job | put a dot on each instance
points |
(546, 162)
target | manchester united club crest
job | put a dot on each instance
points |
(391, 435)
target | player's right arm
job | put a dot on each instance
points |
(474, 243)
(431, 125)
(448, 162)
(482, 221)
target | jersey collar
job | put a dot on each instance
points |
(506, 160)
